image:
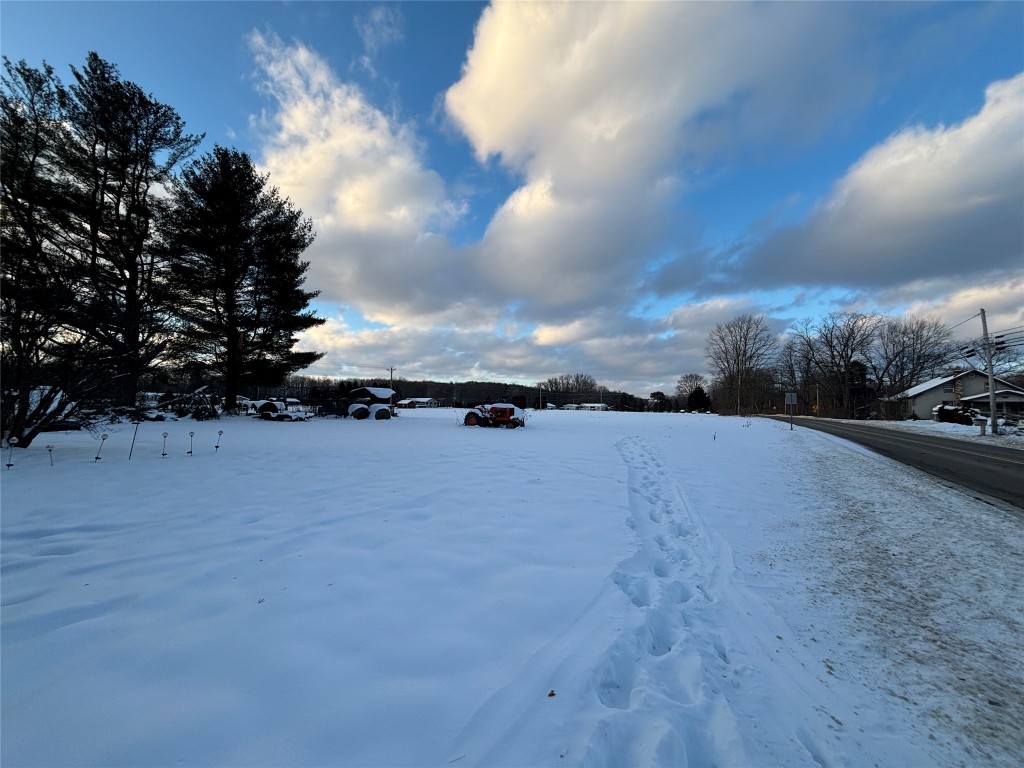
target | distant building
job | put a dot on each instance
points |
(418, 402)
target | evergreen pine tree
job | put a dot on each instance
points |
(123, 148)
(235, 244)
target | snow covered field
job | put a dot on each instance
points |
(595, 589)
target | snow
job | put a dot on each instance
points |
(595, 589)
(1008, 437)
(382, 393)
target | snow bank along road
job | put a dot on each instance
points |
(595, 589)
(993, 469)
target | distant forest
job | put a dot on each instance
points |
(461, 394)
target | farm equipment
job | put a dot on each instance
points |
(365, 403)
(497, 415)
(278, 410)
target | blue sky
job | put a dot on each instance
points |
(522, 190)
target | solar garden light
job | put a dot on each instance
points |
(217, 446)
(11, 442)
(49, 448)
(190, 436)
(103, 439)
(164, 454)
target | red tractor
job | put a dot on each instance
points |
(497, 415)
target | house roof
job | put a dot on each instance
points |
(1003, 395)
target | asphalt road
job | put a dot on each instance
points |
(990, 470)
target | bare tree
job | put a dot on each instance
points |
(796, 372)
(838, 348)
(740, 353)
(572, 382)
(906, 351)
(688, 382)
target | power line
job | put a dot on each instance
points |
(962, 322)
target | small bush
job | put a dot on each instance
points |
(949, 414)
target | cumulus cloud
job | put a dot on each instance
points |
(925, 203)
(958, 303)
(380, 214)
(593, 91)
(593, 104)
(603, 108)
(638, 357)
(600, 115)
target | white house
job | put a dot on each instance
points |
(593, 406)
(1009, 402)
(967, 388)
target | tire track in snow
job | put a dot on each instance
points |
(660, 681)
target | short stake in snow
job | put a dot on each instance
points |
(190, 436)
(130, 450)
(49, 448)
(103, 439)
(164, 454)
(217, 446)
(11, 442)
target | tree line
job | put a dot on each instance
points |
(566, 389)
(122, 254)
(844, 365)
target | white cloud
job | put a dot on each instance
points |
(593, 103)
(925, 203)
(380, 215)
(564, 333)
(331, 148)
(600, 112)
(602, 108)
(591, 91)
(957, 303)
(379, 27)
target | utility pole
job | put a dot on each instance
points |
(991, 377)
